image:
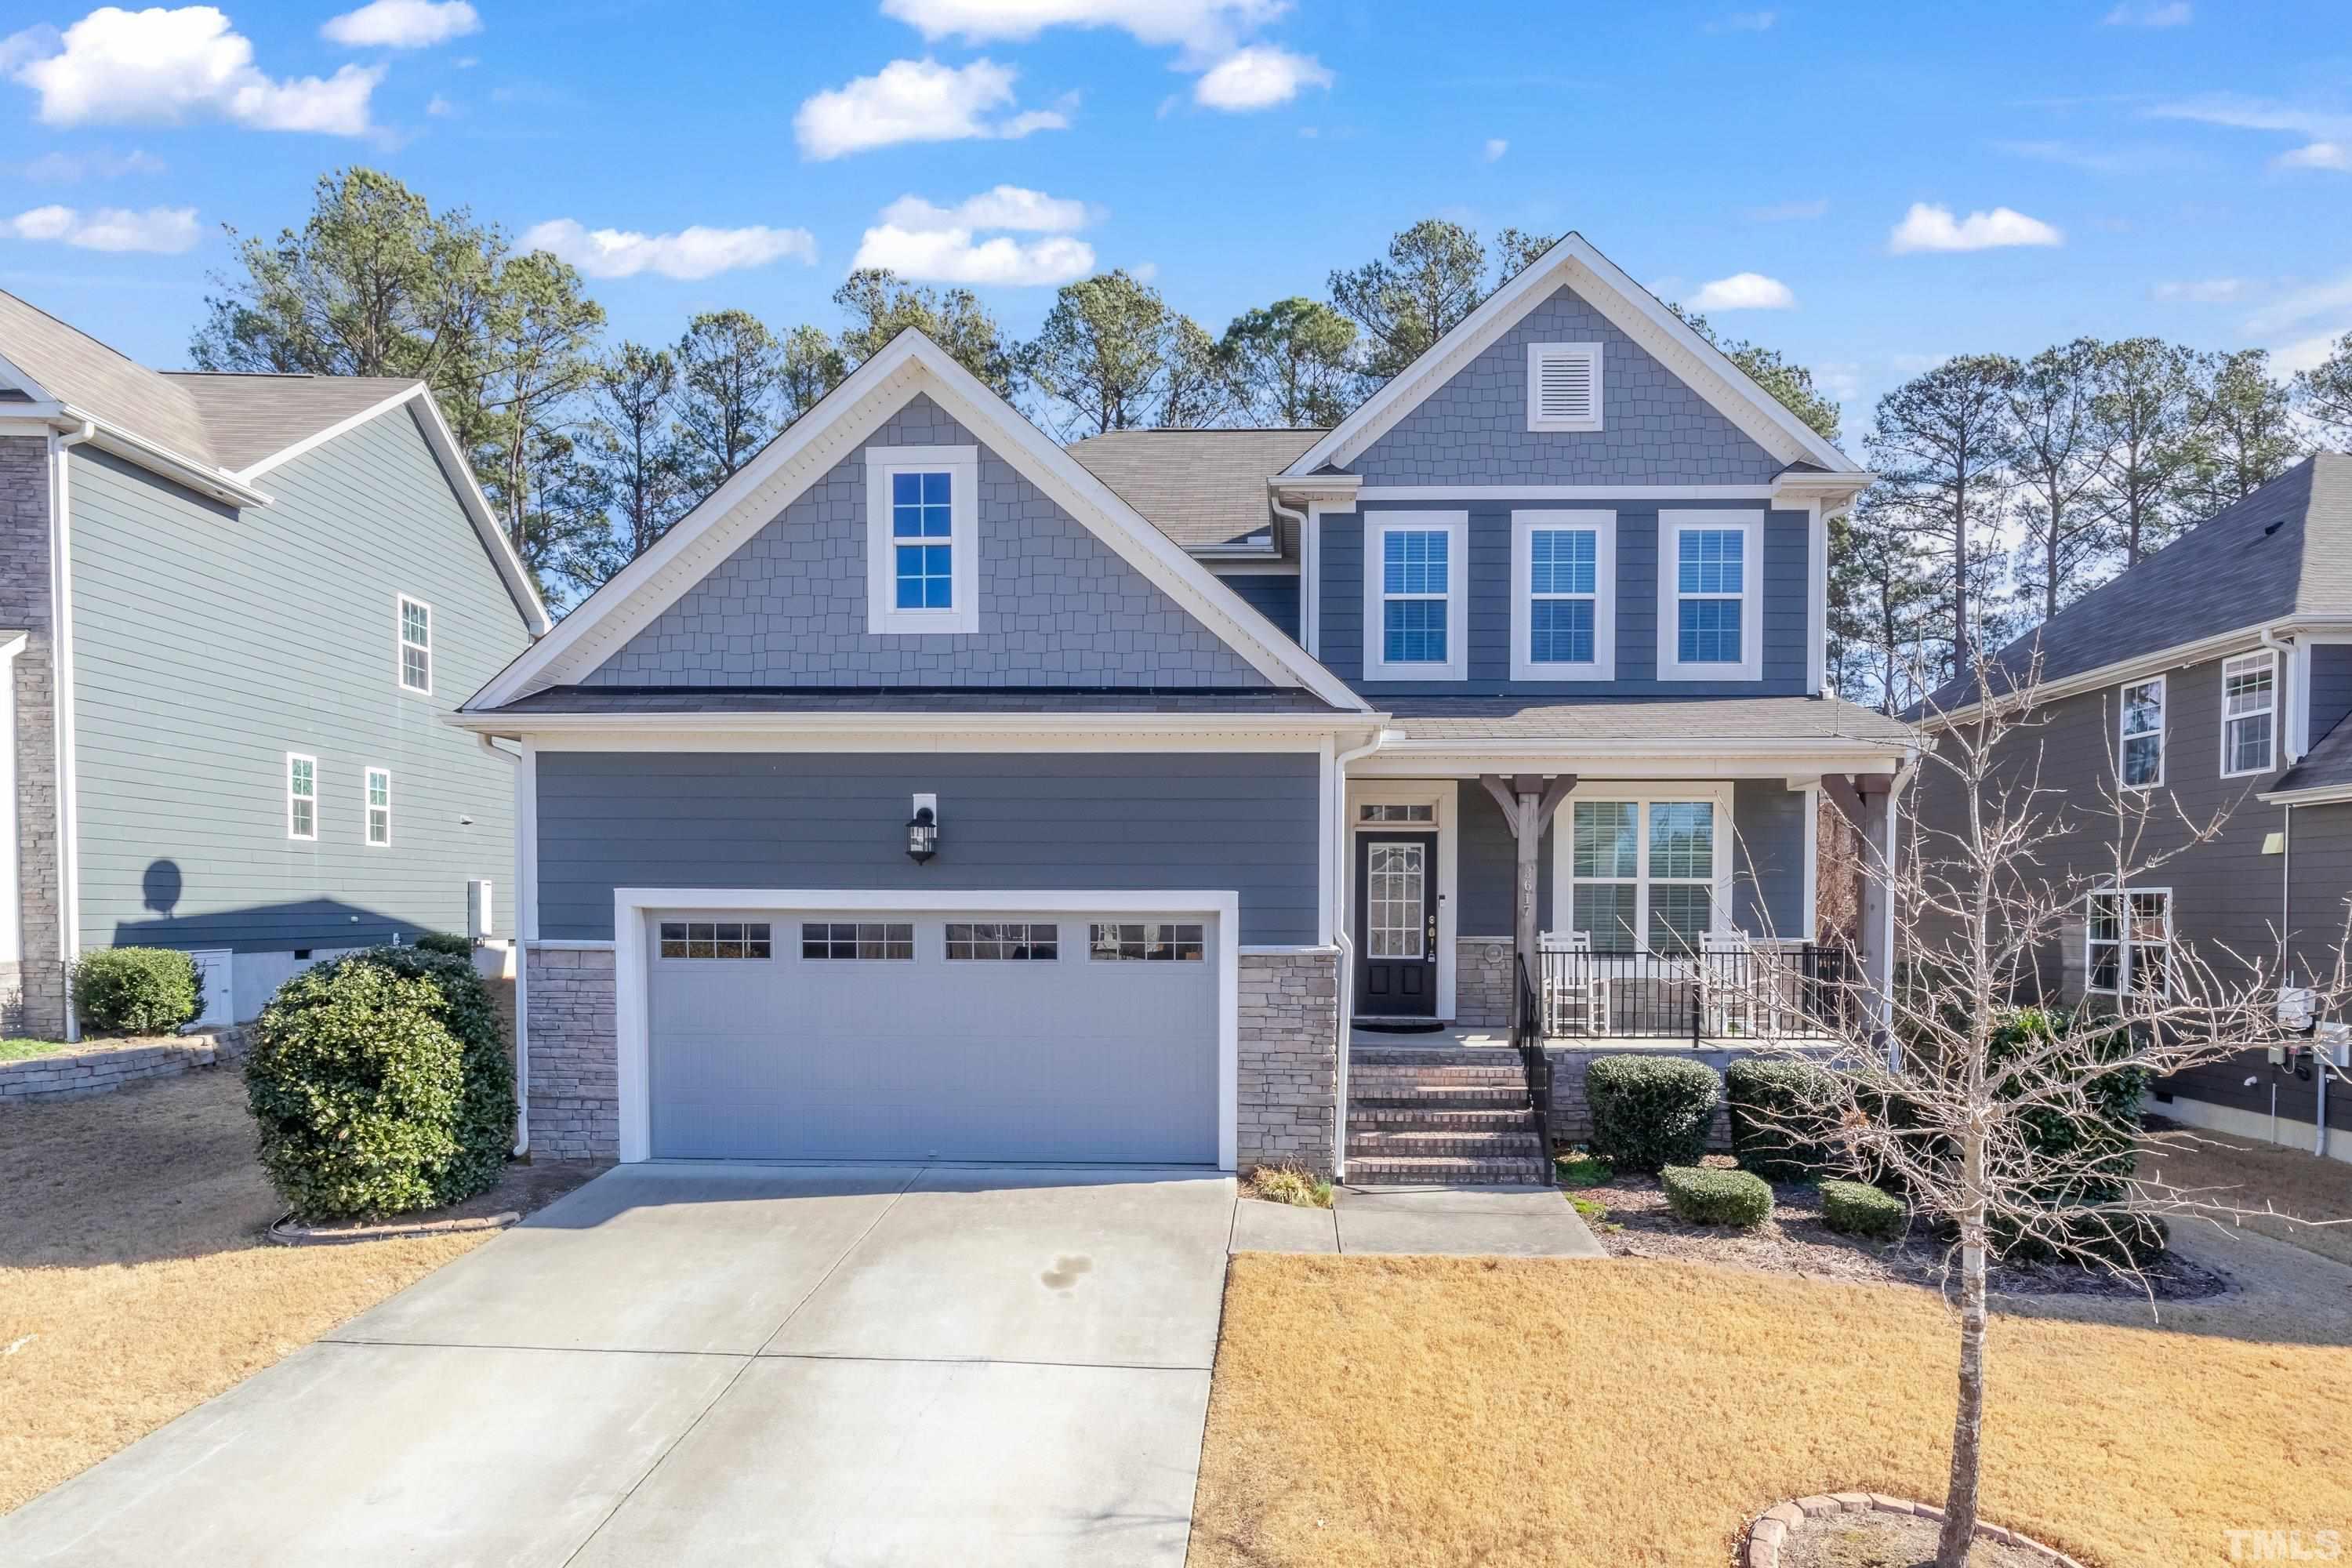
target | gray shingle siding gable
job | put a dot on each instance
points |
(209, 642)
(1472, 429)
(1782, 602)
(1245, 821)
(1057, 605)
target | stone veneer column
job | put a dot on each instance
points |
(576, 1075)
(1289, 1038)
(1482, 982)
(33, 991)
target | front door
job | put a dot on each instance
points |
(1396, 925)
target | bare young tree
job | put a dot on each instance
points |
(2007, 1127)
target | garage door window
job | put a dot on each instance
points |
(714, 939)
(1006, 940)
(1146, 942)
(859, 939)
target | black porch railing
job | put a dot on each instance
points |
(1729, 993)
(1526, 1035)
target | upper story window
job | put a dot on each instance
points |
(1710, 601)
(415, 645)
(2249, 714)
(1563, 386)
(379, 807)
(301, 796)
(1563, 595)
(2139, 750)
(922, 545)
(1415, 600)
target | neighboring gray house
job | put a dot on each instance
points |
(932, 790)
(2217, 671)
(234, 610)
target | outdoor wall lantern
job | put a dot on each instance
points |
(923, 829)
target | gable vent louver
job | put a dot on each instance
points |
(1564, 386)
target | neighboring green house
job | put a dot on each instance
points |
(231, 742)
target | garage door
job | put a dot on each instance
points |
(817, 1034)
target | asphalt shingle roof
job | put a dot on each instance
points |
(2285, 550)
(1688, 719)
(228, 422)
(2327, 763)
(1200, 487)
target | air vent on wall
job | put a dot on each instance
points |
(1563, 386)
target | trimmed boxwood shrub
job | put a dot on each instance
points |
(381, 1084)
(136, 990)
(1703, 1196)
(1776, 1114)
(450, 942)
(1649, 1112)
(1857, 1208)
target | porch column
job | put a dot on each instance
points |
(1528, 801)
(1868, 802)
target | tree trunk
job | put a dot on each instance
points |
(1968, 1421)
(1960, 571)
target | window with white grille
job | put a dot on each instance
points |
(2249, 712)
(1563, 386)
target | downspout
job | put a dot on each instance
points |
(1342, 876)
(1298, 520)
(521, 986)
(61, 732)
(2295, 709)
(2294, 714)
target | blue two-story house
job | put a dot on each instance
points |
(933, 791)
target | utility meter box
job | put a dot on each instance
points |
(2335, 1044)
(478, 908)
(2294, 1008)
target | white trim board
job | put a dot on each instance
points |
(1443, 795)
(1602, 526)
(1456, 528)
(632, 993)
(1572, 262)
(809, 448)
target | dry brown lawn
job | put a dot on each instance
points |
(1597, 1414)
(134, 1281)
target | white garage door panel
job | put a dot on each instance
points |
(1074, 1058)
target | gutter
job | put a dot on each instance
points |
(1345, 1000)
(522, 964)
(2258, 634)
(217, 483)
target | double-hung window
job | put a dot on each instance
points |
(1647, 875)
(2139, 747)
(2128, 942)
(1563, 595)
(1711, 576)
(301, 796)
(379, 808)
(922, 545)
(1415, 598)
(2249, 714)
(415, 645)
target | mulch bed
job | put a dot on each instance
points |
(520, 1191)
(1877, 1540)
(1795, 1241)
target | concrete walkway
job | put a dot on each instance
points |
(1511, 1222)
(699, 1364)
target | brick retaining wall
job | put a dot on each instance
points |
(1484, 976)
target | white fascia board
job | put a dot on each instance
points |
(218, 483)
(14, 375)
(2242, 640)
(909, 364)
(1539, 492)
(280, 457)
(1587, 762)
(1627, 305)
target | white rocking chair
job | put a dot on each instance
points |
(1577, 1003)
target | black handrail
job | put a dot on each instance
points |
(1535, 1063)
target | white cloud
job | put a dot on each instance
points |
(949, 256)
(403, 24)
(2306, 354)
(116, 67)
(439, 108)
(165, 231)
(691, 253)
(1743, 291)
(2240, 114)
(1005, 206)
(66, 168)
(916, 101)
(2200, 290)
(1205, 28)
(2294, 310)
(1790, 212)
(1745, 22)
(1144, 271)
(2318, 155)
(1495, 148)
(1926, 228)
(2176, 15)
(1258, 77)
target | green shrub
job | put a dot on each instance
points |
(2100, 1148)
(136, 990)
(381, 1084)
(456, 946)
(1857, 1208)
(1778, 1110)
(1703, 1196)
(1649, 1112)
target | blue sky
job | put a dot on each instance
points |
(1866, 193)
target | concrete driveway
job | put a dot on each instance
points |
(700, 1363)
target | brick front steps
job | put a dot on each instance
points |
(1439, 1117)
